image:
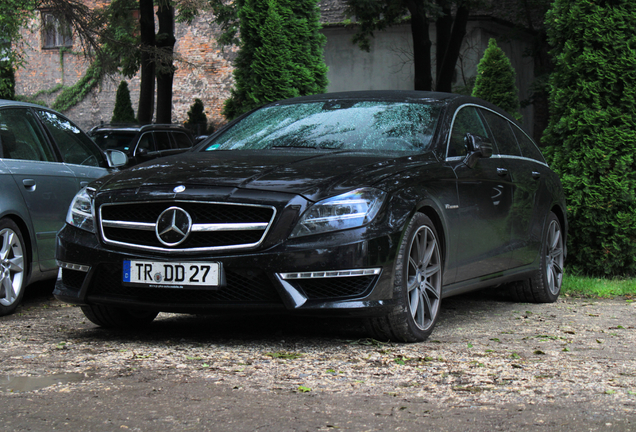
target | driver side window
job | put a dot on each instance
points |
(75, 146)
(466, 120)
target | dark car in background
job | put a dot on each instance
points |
(44, 160)
(142, 143)
(372, 204)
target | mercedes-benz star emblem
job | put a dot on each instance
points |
(173, 226)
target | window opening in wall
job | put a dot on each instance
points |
(55, 32)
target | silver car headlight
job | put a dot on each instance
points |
(80, 213)
(349, 210)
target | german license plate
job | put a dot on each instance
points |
(172, 274)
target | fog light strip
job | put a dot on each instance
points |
(71, 266)
(331, 274)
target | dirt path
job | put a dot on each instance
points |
(489, 365)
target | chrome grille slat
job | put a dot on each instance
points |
(209, 219)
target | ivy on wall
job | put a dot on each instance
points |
(74, 94)
(71, 95)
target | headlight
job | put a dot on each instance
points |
(349, 210)
(80, 213)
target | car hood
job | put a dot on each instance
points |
(312, 174)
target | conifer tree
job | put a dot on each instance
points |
(280, 53)
(123, 112)
(197, 120)
(495, 81)
(591, 135)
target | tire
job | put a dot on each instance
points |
(118, 318)
(14, 265)
(417, 286)
(545, 285)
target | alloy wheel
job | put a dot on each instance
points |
(554, 258)
(424, 278)
(11, 266)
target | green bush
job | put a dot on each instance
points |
(7, 80)
(197, 120)
(495, 81)
(123, 112)
(591, 136)
(280, 54)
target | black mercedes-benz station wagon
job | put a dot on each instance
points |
(374, 204)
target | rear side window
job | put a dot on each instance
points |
(467, 120)
(502, 131)
(528, 148)
(21, 137)
(162, 141)
(182, 141)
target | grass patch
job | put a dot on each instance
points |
(598, 287)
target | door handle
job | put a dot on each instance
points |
(502, 172)
(29, 184)
(536, 175)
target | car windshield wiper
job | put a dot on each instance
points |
(293, 146)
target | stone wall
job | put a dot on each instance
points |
(204, 71)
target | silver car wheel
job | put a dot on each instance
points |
(12, 267)
(424, 279)
(554, 258)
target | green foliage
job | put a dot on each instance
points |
(123, 112)
(119, 37)
(280, 55)
(495, 81)
(197, 120)
(74, 94)
(14, 15)
(591, 136)
(7, 80)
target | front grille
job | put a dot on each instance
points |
(214, 226)
(243, 286)
(73, 278)
(334, 288)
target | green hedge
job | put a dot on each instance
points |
(591, 136)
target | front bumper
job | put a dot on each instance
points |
(308, 275)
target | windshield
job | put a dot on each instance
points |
(108, 140)
(344, 125)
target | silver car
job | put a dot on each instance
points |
(44, 161)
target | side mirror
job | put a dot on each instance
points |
(478, 147)
(116, 158)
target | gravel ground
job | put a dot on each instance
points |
(489, 365)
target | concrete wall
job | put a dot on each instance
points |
(389, 65)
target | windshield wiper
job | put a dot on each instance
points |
(293, 146)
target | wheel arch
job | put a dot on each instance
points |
(429, 210)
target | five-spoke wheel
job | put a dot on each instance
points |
(13, 266)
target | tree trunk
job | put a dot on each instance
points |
(165, 72)
(443, 26)
(447, 69)
(147, 85)
(421, 46)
